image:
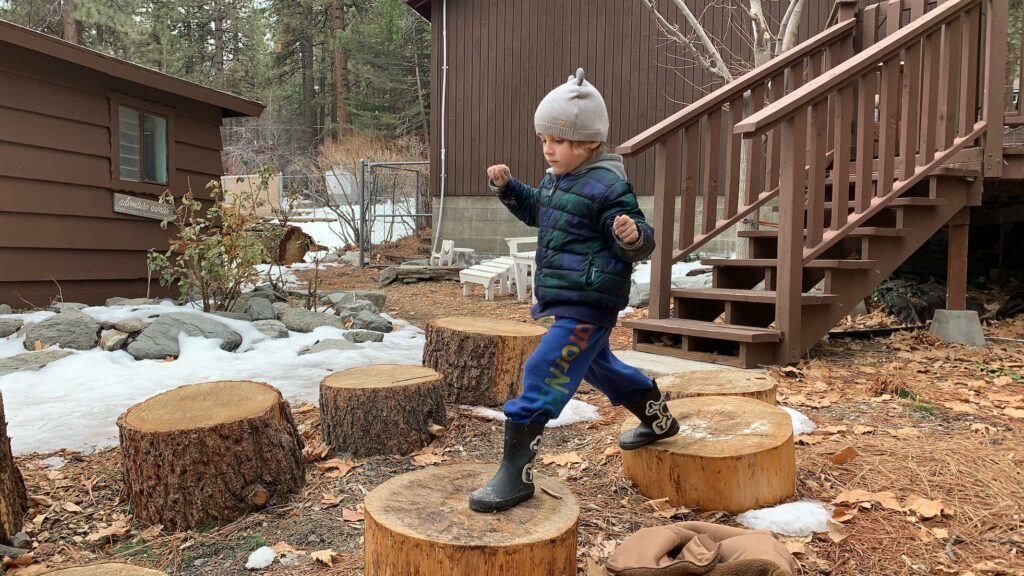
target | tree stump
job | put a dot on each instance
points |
(420, 523)
(13, 500)
(718, 383)
(731, 454)
(105, 569)
(383, 409)
(481, 359)
(209, 452)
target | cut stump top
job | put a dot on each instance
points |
(381, 376)
(710, 382)
(723, 426)
(202, 405)
(105, 569)
(489, 326)
(431, 504)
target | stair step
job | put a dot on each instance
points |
(772, 263)
(863, 231)
(903, 201)
(701, 329)
(740, 295)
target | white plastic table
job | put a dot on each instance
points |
(523, 266)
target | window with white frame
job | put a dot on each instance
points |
(142, 143)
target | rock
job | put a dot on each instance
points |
(329, 259)
(302, 320)
(30, 360)
(351, 257)
(72, 329)
(115, 301)
(329, 344)
(688, 281)
(289, 560)
(119, 301)
(375, 297)
(21, 540)
(261, 309)
(113, 340)
(368, 321)
(130, 326)
(160, 339)
(232, 315)
(410, 280)
(387, 276)
(351, 309)
(65, 306)
(6, 309)
(640, 295)
(272, 328)
(9, 326)
(364, 336)
(267, 291)
(420, 262)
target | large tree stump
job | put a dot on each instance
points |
(731, 454)
(210, 452)
(718, 383)
(13, 501)
(481, 359)
(383, 409)
(420, 523)
(105, 569)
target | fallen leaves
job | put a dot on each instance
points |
(336, 467)
(350, 515)
(324, 556)
(119, 528)
(922, 507)
(563, 459)
(71, 507)
(844, 455)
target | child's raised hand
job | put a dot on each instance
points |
(499, 174)
(625, 228)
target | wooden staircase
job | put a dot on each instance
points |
(860, 140)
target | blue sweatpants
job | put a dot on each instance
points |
(568, 353)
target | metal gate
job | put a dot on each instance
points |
(394, 198)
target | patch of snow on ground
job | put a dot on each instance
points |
(801, 424)
(261, 558)
(792, 519)
(74, 402)
(642, 273)
(575, 411)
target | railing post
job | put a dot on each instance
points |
(666, 186)
(789, 283)
(994, 106)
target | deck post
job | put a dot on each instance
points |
(666, 187)
(994, 96)
(956, 261)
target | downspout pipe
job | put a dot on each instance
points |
(444, 109)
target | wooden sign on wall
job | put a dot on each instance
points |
(141, 207)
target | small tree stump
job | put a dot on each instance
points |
(420, 523)
(383, 409)
(718, 383)
(105, 569)
(13, 500)
(731, 454)
(481, 359)
(209, 452)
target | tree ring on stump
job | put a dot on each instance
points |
(189, 407)
(756, 385)
(420, 523)
(105, 569)
(732, 454)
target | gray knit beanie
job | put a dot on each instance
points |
(574, 111)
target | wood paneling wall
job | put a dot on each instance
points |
(505, 55)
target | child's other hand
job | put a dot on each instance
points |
(499, 174)
(625, 228)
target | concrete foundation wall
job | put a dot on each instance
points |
(483, 223)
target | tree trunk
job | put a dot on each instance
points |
(732, 454)
(67, 13)
(418, 523)
(308, 74)
(481, 359)
(218, 43)
(13, 501)
(381, 409)
(719, 383)
(210, 452)
(338, 24)
(107, 569)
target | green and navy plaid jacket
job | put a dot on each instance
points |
(583, 271)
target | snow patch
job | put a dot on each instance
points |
(261, 558)
(792, 519)
(575, 411)
(801, 424)
(642, 273)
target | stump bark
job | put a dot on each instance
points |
(731, 454)
(420, 523)
(382, 409)
(210, 452)
(481, 359)
(719, 383)
(13, 500)
(105, 569)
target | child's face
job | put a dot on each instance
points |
(560, 154)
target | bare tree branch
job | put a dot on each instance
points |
(716, 67)
(709, 46)
(792, 26)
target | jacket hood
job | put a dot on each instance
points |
(611, 162)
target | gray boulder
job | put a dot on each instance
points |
(261, 309)
(364, 336)
(640, 295)
(351, 257)
(160, 339)
(352, 309)
(6, 309)
(113, 340)
(130, 326)
(66, 306)
(302, 320)
(329, 344)
(387, 276)
(232, 315)
(272, 328)
(30, 360)
(71, 329)
(9, 326)
(119, 301)
(371, 321)
(375, 297)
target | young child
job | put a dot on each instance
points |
(591, 233)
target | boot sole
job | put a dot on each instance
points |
(672, 431)
(487, 506)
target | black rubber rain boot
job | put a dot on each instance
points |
(656, 422)
(513, 484)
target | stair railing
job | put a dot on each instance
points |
(697, 154)
(931, 88)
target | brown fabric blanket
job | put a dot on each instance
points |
(701, 548)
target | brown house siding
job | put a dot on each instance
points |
(58, 230)
(504, 55)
